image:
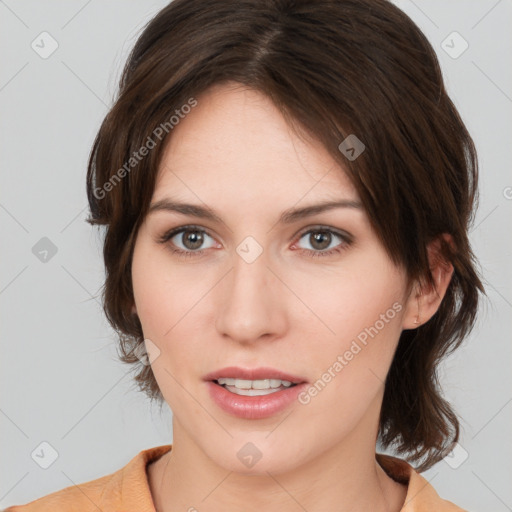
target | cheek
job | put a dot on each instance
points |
(164, 293)
(164, 296)
(348, 300)
(361, 310)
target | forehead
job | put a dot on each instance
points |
(236, 143)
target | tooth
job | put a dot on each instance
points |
(251, 392)
(243, 384)
(228, 381)
(261, 384)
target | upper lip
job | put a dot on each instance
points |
(236, 372)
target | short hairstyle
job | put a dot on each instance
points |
(333, 68)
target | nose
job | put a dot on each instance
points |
(251, 302)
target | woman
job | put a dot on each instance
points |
(287, 189)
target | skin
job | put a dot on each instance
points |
(236, 154)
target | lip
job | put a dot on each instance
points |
(253, 407)
(235, 372)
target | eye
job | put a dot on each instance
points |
(321, 238)
(187, 240)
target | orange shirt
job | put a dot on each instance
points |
(127, 490)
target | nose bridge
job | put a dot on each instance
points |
(250, 304)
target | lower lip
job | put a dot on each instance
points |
(253, 407)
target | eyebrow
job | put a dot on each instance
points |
(287, 217)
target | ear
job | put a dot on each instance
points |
(134, 309)
(424, 300)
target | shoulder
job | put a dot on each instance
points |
(74, 498)
(127, 487)
(421, 496)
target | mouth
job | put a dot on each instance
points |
(254, 387)
(255, 393)
(253, 382)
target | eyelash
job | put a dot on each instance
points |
(346, 241)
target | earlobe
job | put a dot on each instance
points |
(412, 316)
(425, 299)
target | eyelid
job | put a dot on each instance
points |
(171, 233)
(322, 227)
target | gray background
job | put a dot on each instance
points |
(60, 379)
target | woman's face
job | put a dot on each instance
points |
(315, 297)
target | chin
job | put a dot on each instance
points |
(256, 454)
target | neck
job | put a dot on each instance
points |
(344, 478)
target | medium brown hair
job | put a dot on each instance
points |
(333, 68)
